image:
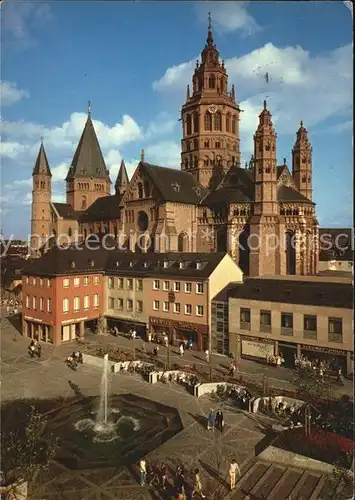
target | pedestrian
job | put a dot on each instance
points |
(211, 420)
(207, 354)
(163, 474)
(144, 349)
(143, 471)
(149, 336)
(134, 334)
(232, 369)
(39, 350)
(31, 348)
(219, 420)
(156, 350)
(166, 340)
(181, 349)
(197, 487)
(233, 469)
(180, 480)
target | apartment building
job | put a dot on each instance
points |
(62, 293)
(336, 250)
(268, 317)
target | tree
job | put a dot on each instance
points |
(310, 386)
(24, 452)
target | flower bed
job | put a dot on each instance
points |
(319, 445)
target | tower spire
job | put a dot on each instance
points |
(89, 108)
(209, 34)
(142, 155)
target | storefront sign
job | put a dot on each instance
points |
(257, 339)
(73, 320)
(34, 319)
(337, 352)
(179, 325)
(257, 349)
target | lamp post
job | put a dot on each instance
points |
(171, 300)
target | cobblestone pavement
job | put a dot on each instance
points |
(48, 378)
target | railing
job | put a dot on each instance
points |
(245, 325)
(310, 334)
(287, 331)
(265, 328)
(335, 337)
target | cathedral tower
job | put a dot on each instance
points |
(264, 240)
(41, 197)
(210, 118)
(88, 178)
(302, 163)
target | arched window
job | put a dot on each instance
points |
(228, 122)
(207, 144)
(212, 82)
(188, 125)
(140, 190)
(83, 202)
(196, 123)
(234, 124)
(290, 253)
(182, 242)
(70, 233)
(218, 121)
(208, 121)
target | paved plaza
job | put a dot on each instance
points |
(194, 446)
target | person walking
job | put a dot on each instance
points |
(181, 349)
(39, 350)
(211, 420)
(180, 481)
(197, 486)
(143, 471)
(166, 340)
(207, 354)
(232, 471)
(232, 368)
(219, 420)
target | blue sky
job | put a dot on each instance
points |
(133, 60)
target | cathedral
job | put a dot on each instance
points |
(261, 213)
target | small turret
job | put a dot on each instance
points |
(122, 181)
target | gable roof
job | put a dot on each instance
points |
(88, 160)
(66, 211)
(122, 176)
(42, 165)
(174, 185)
(235, 187)
(288, 193)
(104, 208)
(316, 293)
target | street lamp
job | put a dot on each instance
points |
(171, 300)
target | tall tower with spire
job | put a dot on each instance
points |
(210, 119)
(41, 197)
(87, 178)
(265, 256)
(302, 163)
(122, 180)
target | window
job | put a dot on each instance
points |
(120, 304)
(65, 305)
(265, 321)
(96, 280)
(177, 286)
(199, 310)
(156, 284)
(156, 305)
(139, 285)
(310, 327)
(33, 302)
(139, 306)
(49, 283)
(176, 307)
(86, 280)
(41, 304)
(188, 308)
(188, 287)
(208, 121)
(286, 323)
(228, 122)
(76, 282)
(335, 330)
(86, 302)
(27, 302)
(244, 318)
(199, 287)
(27, 280)
(76, 304)
(129, 284)
(218, 121)
(166, 306)
(166, 285)
(49, 305)
(120, 283)
(111, 302)
(41, 282)
(110, 282)
(34, 281)
(129, 305)
(96, 300)
(66, 283)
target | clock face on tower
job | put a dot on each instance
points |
(212, 108)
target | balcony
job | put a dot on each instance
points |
(265, 328)
(310, 334)
(244, 325)
(286, 331)
(335, 337)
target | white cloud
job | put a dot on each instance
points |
(164, 153)
(9, 93)
(164, 124)
(227, 16)
(11, 149)
(176, 77)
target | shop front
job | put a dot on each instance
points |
(126, 325)
(180, 331)
(37, 329)
(333, 358)
(257, 348)
(289, 351)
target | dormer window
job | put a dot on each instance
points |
(91, 263)
(166, 263)
(72, 264)
(145, 264)
(181, 265)
(198, 265)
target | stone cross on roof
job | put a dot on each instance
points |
(175, 186)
